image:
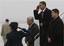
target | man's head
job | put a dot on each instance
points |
(30, 20)
(14, 25)
(55, 13)
(42, 5)
(7, 20)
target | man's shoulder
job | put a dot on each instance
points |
(5, 24)
(60, 20)
(57, 21)
(48, 10)
(35, 25)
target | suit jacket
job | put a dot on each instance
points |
(14, 38)
(56, 32)
(44, 19)
(34, 30)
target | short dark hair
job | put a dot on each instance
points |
(14, 25)
(7, 20)
(56, 11)
(43, 2)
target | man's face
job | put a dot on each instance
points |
(42, 6)
(53, 14)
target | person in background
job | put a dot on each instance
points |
(55, 30)
(5, 30)
(43, 14)
(33, 29)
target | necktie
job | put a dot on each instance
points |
(42, 14)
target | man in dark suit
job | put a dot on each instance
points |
(43, 14)
(14, 38)
(33, 29)
(55, 30)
